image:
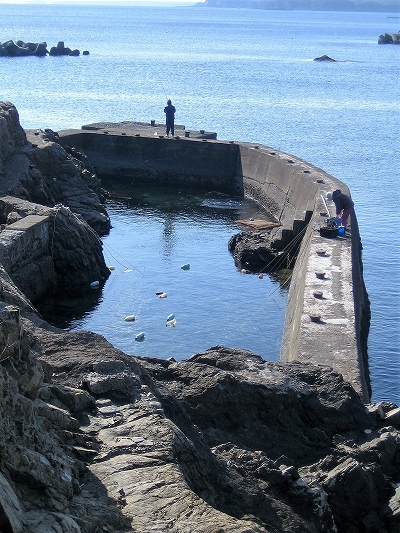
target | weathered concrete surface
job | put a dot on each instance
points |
(128, 153)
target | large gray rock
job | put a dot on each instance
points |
(235, 441)
(35, 167)
(109, 442)
(387, 38)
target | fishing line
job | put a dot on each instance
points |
(108, 248)
(95, 234)
(163, 88)
(284, 256)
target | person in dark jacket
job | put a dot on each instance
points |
(169, 111)
(343, 203)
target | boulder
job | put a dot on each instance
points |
(35, 167)
(62, 50)
(76, 258)
(254, 251)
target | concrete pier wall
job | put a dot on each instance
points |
(25, 254)
(294, 192)
(190, 163)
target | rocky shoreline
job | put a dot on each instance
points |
(93, 440)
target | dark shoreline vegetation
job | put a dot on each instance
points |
(391, 6)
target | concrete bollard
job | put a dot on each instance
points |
(187, 133)
(202, 132)
(152, 122)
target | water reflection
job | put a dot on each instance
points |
(155, 232)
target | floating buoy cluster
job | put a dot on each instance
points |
(171, 320)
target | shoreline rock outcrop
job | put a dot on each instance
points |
(41, 179)
(93, 440)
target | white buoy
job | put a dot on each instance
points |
(130, 318)
(94, 284)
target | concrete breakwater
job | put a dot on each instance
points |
(294, 192)
(290, 189)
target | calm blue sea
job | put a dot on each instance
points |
(249, 75)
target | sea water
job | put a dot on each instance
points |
(168, 253)
(249, 75)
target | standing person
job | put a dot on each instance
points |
(344, 205)
(170, 117)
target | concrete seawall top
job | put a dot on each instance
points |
(294, 192)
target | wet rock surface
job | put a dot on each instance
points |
(263, 251)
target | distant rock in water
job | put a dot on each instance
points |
(325, 58)
(61, 50)
(387, 38)
(20, 49)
